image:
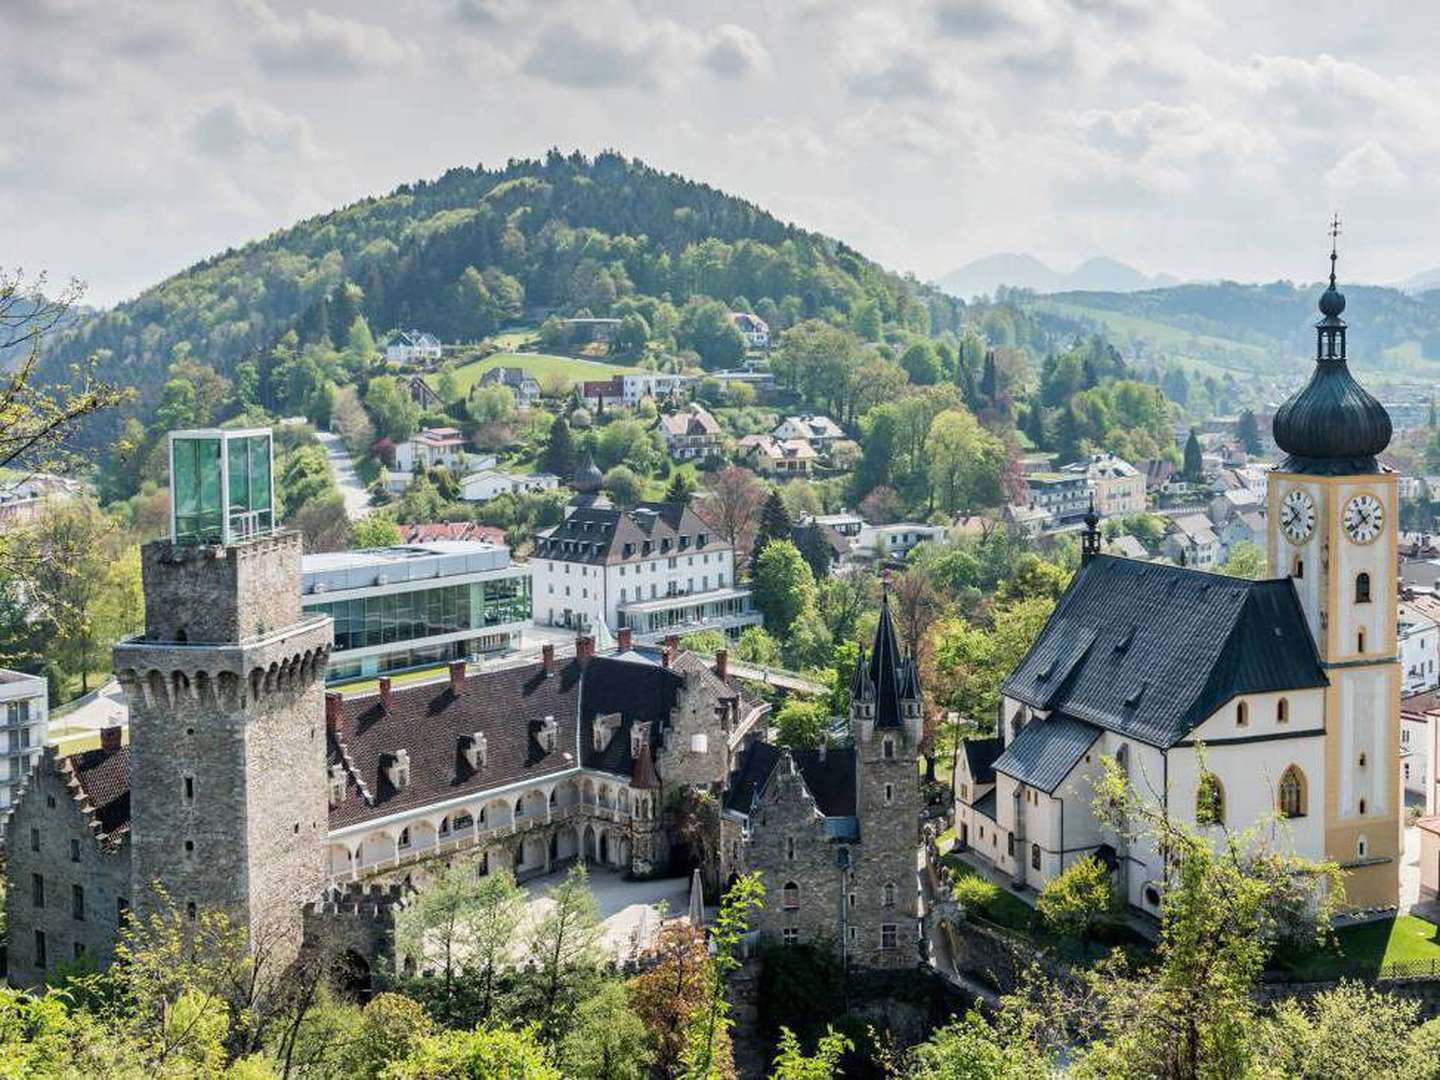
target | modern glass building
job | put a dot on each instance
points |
(220, 487)
(420, 604)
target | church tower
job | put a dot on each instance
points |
(226, 696)
(1332, 517)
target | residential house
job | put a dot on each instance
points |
(1029, 521)
(884, 542)
(1233, 501)
(413, 347)
(1248, 528)
(692, 433)
(25, 713)
(430, 448)
(776, 458)
(486, 484)
(1118, 487)
(1419, 639)
(517, 380)
(1191, 541)
(820, 432)
(1125, 546)
(631, 387)
(1064, 496)
(430, 531)
(1158, 474)
(755, 330)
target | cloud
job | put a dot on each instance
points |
(732, 52)
(317, 43)
(974, 18)
(232, 128)
(905, 76)
(1369, 165)
(582, 59)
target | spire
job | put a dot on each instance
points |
(885, 668)
(860, 682)
(1332, 426)
(1090, 538)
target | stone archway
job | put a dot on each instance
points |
(589, 852)
(605, 847)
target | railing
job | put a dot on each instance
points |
(475, 837)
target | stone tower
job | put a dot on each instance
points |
(1332, 521)
(226, 695)
(885, 715)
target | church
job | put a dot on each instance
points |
(1288, 687)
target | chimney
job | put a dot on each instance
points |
(334, 717)
(547, 657)
(584, 648)
(722, 664)
(457, 676)
(387, 699)
(110, 738)
(624, 637)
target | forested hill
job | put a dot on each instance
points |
(461, 254)
(1392, 332)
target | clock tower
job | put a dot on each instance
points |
(1332, 517)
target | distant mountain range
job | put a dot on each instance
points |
(1424, 281)
(1098, 274)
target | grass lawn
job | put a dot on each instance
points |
(513, 339)
(1363, 950)
(538, 365)
(370, 686)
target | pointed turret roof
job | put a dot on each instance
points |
(860, 685)
(885, 669)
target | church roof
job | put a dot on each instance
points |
(980, 755)
(1045, 751)
(885, 673)
(830, 778)
(1150, 650)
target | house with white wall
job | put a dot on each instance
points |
(25, 714)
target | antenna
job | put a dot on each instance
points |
(1334, 235)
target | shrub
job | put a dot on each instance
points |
(976, 894)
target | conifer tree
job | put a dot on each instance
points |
(1194, 460)
(560, 450)
(775, 524)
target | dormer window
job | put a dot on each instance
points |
(637, 740)
(702, 539)
(397, 769)
(684, 541)
(605, 727)
(337, 785)
(474, 748)
(549, 731)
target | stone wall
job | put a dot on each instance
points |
(888, 848)
(50, 818)
(703, 708)
(212, 594)
(788, 844)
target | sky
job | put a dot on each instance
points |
(1202, 138)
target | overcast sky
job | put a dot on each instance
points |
(1200, 137)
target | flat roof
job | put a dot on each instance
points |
(340, 571)
(664, 603)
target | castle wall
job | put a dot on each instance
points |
(888, 803)
(49, 818)
(209, 594)
(695, 751)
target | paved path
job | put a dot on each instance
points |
(631, 911)
(786, 680)
(357, 499)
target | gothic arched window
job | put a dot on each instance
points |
(1210, 801)
(887, 894)
(1292, 793)
(1362, 588)
(790, 896)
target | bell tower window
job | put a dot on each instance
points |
(1362, 589)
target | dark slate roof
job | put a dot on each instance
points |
(428, 720)
(641, 692)
(1045, 751)
(830, 780)
(1150, 650)
(885, 671)
(599, 535)
(104, 777)
(980, 755)
(1332, 425)
(986, 804)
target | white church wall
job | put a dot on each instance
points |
(1377, 559)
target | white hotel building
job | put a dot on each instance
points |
(24, 711)
(656, 569)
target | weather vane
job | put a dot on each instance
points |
(1334, 234)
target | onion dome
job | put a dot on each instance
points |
(588, 477)
(1332, 426)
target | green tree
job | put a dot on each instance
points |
(396, 414)
(608, 1040)
(1194, 469)
(784, 586)
(792, 1063)
(815, 549)
(564, 950)
(624, 486)
(801, 724)
(774, 525)
(375, 531)
(707, 1045)
(921, 363)
(632, 337)
(486, 1053)
(706, 327)
(966, 462)
(1244, 560)
(392, 1027)
(681, 489)
(559, 455)
(1247, 430)
(756, 646)
(361, 352)
(877, 455)
(1077, 899)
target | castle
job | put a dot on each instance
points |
(1230, 702)
(247, 788)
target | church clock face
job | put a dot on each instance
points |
(1297, 516)
(1364, 517)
